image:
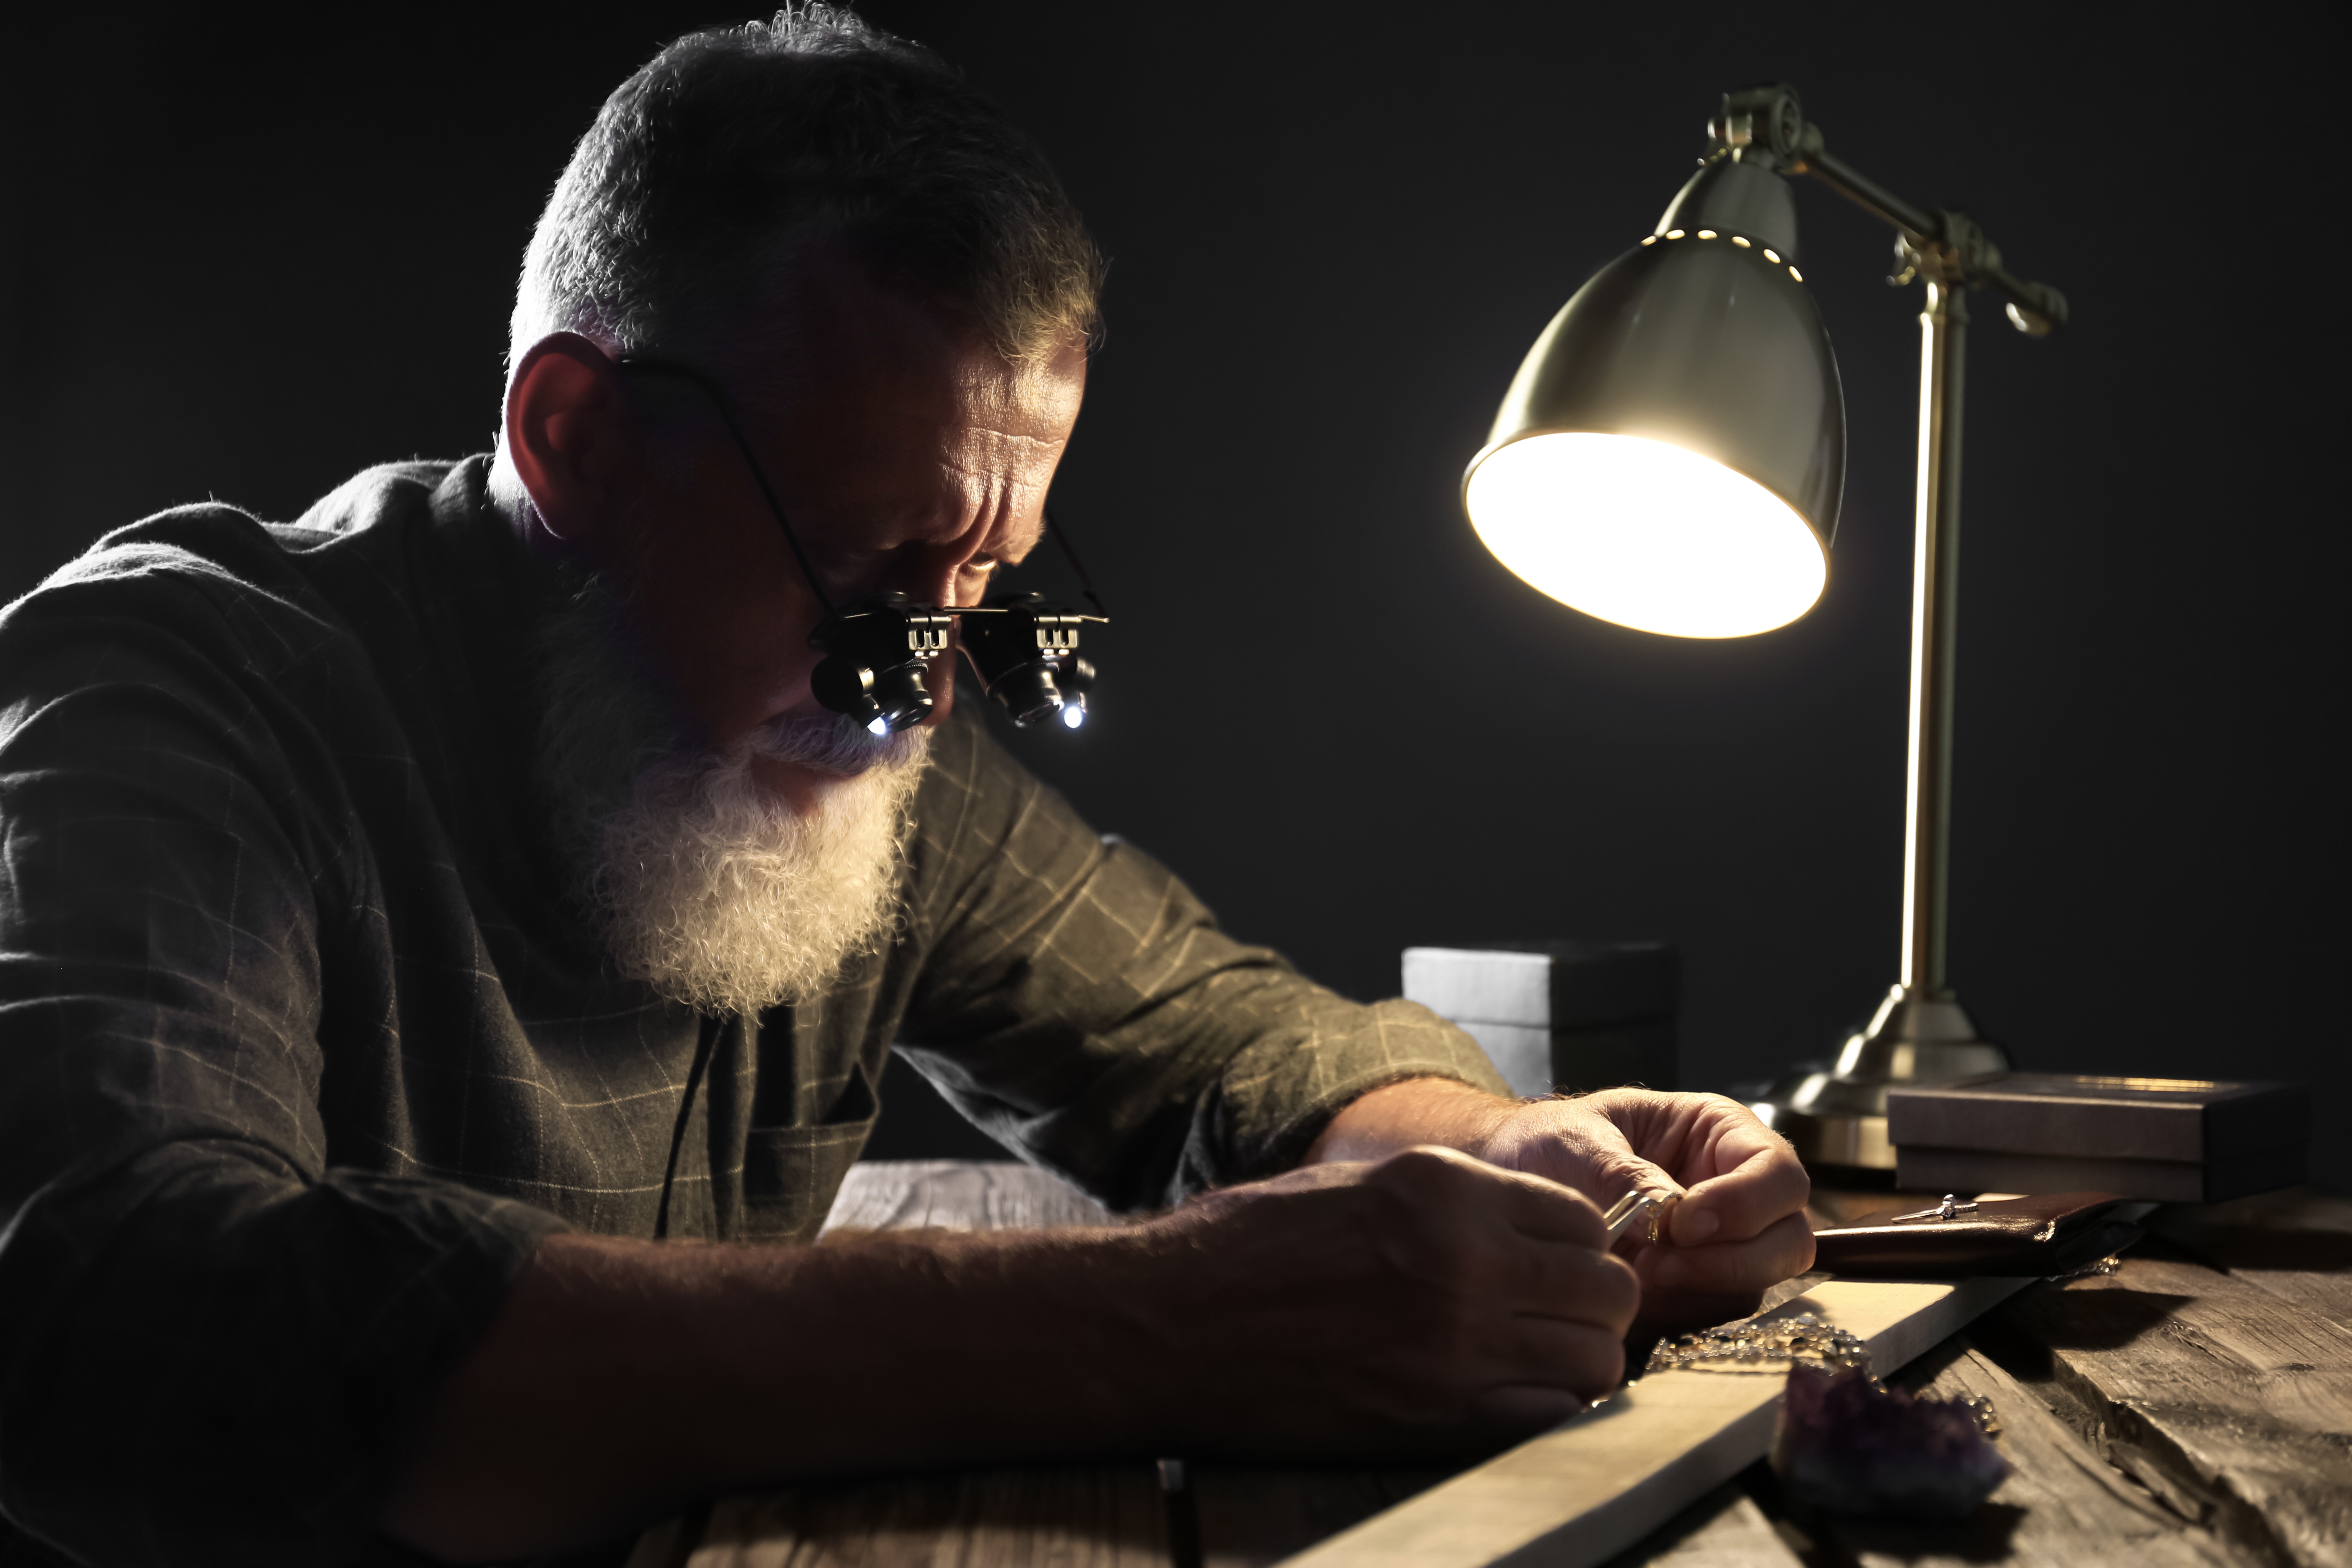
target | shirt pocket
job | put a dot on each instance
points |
(791, 1175)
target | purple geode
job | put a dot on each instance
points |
(1847, 1446)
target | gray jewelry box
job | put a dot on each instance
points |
(1558, 1015)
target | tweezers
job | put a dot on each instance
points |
(1632, 1206)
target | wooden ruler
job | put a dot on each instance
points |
(1591, 1487)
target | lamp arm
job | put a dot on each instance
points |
(1918, 224)
(1948, 245)
(1766, 124)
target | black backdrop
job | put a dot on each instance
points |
(249, 252)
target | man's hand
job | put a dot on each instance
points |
(1740, 1225)
(1428, 1301)
(1739, 1228)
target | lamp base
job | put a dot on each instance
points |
(1839, 1117)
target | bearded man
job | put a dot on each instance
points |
(428, 929)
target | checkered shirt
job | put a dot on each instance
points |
(303, 1046)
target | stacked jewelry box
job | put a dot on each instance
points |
(1558, 1015)
(2170, 1140)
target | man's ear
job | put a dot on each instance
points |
(573, 440)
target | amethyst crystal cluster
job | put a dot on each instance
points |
(1847, 1446)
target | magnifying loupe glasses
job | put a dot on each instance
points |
(877, 651)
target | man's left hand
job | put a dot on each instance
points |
(1740, 1225)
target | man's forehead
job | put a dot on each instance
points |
(833, 332)
(862, 512)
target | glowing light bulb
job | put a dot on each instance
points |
(1646, 534)
(877, 726)
(1073, 716)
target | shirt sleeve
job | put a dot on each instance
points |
(1077, 1001)
(213, 1338)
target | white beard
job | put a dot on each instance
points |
(703, 886)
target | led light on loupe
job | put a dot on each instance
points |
(1646, 534)
(877, 726)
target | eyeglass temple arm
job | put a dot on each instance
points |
(718, 401)
(711, 390)
(1086, 584)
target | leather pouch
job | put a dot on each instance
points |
(2054, 1233)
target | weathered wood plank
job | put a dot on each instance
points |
(2233, 1405)
(1725, 1529)
(1099, 1518)
(1250, 1517)
(2062, 1505)
(958, 1195)
(2295, 1244)
(1592, 1487)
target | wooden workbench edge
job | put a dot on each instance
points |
(1577, 1495)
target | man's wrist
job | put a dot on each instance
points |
(1412, 1112)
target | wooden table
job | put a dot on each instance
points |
(2193, 1407)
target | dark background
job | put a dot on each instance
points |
(249, 252)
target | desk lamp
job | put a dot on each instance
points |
(1671, 455)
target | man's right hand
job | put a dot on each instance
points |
(1428, 1302)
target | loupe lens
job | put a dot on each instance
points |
(901, 695)
(1027, 693)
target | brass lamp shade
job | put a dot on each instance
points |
(1671, 452)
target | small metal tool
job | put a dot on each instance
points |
(1642, 1202)
(1947, 1209)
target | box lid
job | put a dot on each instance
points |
(1550, 984)
(2100, 1118)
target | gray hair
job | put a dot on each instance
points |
(733, 148)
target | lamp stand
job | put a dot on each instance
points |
(1920, 1032)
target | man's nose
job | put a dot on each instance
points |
(938, 587)
(934, 582)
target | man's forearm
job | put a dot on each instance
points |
(1349, 1311)
(621, 1375)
